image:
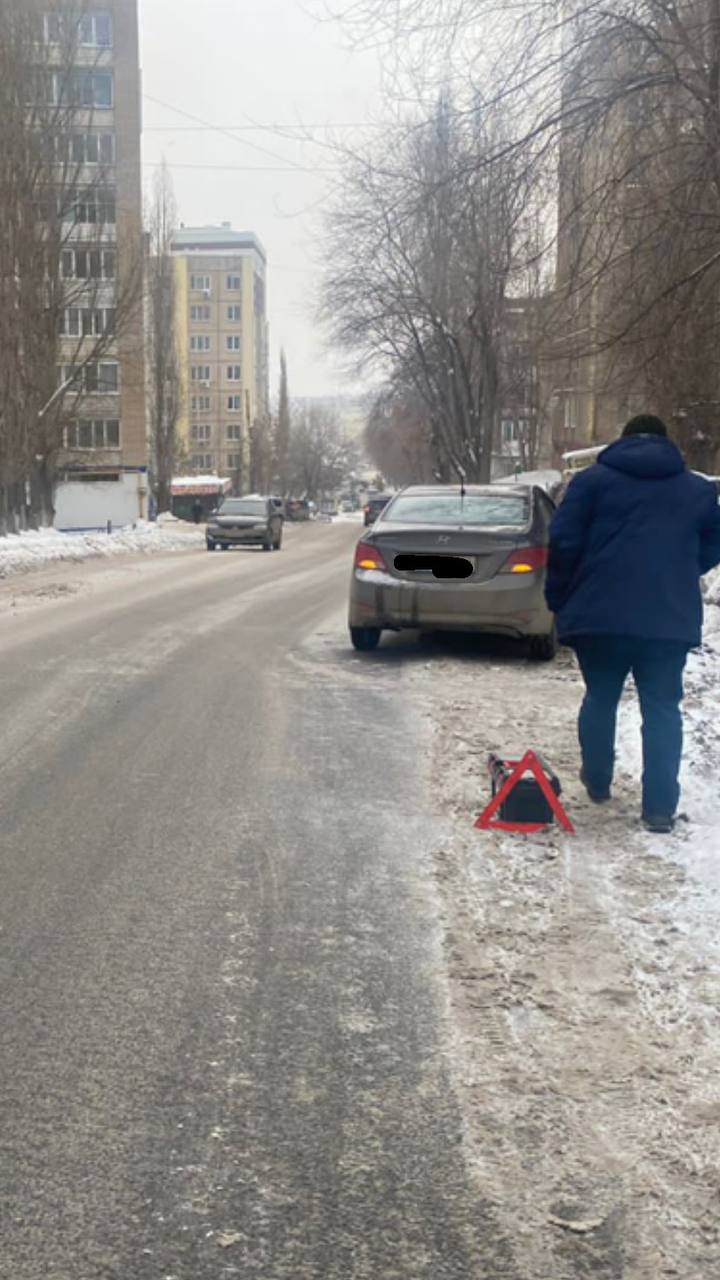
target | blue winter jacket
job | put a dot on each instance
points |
(628, 545)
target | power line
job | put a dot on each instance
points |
(263, 128)
(236, 168)
(222, 130)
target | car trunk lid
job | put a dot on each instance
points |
(486, 549)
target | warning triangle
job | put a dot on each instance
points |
(530, 763)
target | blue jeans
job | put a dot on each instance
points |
(657, 667)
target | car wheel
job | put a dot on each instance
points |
(225, 546)
(267, 546)
(544, 648)
(210, 544)
(365, 638)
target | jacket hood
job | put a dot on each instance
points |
(646, 457)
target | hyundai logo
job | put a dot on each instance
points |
(444, 538)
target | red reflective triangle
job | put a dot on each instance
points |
(528, 764)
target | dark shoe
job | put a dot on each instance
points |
(660, 824)
(597, 797)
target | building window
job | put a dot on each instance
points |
(200, 404)
(509, 430)
(85, 322)
(233, 284)
(95, 378)
(200, 342)
(90, 207)
(95, 30)
(201, 462)
(91, 30)
(232, 342)
(102, 378)
(234, 373)
(93, 433)
(200, 284)
(233, 431)
(92, 148)
(234, 462)
(200, 313)
(200, 373)
(88, 264)
(91, 89)
(234, 404)
(200, 433)
(52, 28)
(234, 314)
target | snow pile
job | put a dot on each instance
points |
(20, 553)
(712, 587)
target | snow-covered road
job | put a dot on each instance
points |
(227, 842)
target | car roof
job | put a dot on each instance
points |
(471, 490)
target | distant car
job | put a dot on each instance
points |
(297, 509)
(374, 506)
(245, 522)
(440, 560)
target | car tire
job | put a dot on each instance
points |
(544, 648)
(225, 546)
(267, 546)
(365, 638)
(209, 544)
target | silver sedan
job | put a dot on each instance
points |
(448, 559)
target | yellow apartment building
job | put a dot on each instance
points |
(222, 338)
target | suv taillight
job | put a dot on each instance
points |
(526, 560)
(367, 557)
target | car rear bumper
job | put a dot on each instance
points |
(232, 537)
(502, 606)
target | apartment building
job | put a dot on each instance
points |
(103, 469)
(222, 335)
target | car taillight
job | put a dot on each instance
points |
(526, 560)
(367, 557)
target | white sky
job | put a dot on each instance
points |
(237, 63)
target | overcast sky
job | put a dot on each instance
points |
(235, 64)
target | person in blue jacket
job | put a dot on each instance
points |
(628, 545)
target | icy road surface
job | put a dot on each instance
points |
(273, 1009)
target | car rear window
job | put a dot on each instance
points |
(451, 508)
(243, 507)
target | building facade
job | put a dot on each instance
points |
(222, 337)
(103, 468)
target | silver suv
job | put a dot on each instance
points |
(245, 522)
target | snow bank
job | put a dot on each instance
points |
(20, 553)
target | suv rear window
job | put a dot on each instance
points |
(450, 508)
(244, 507)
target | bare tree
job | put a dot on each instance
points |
(262, 456)
(619, 101)
(321, 456)
(398, 438)
(421, 257)
(282, 430)
(163, 368)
